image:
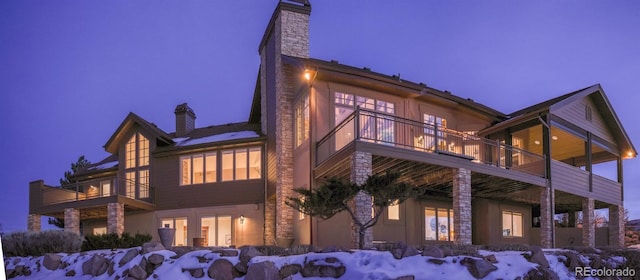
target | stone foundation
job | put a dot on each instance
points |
(34, 223)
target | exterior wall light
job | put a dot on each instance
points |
(307, 74)
(241, 219)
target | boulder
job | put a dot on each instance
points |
(406, 277)
(289, 270)
(132, 253)
(52, 261)
(152, 246)
(333, 248)
(70, 273)
(537, 256)
(333, 269)
(436, 261)
(195, 272)
(221, 269)
(156, 260)
(96, 265)
(491, 258)
(263, 271)
(246, 253)
(137, 272)
(479, 268)
(433, 252)
(402, 250)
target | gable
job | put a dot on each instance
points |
(576, 113)
(131, 124)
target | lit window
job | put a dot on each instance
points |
(130, 153)
(376, 125)
(99, 230)
(433, 123)
(439, 224)
(137, 162)
(300, 214)
(302, 120)
(180, 224)
(255, 163)
(198, 169)
(143, 150)
(394, 211)
(227, 165)
(210, 166)
(241, 164)
(511, 224)
(216, 231)
(131, 184)
(143, 177)
(105, 188)
(185, 163)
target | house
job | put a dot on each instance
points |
(488, 177)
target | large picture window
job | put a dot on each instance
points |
(376, 126)
(216, 231)
(511, 224)
(198, 169)
(439, 224)
(242, 164)
(137, 166)
(180, 224)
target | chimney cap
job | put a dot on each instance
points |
(184, 108)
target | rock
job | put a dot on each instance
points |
(248, 252)
(156, 260)
(541, 274)
(132, 253)
(289, 270)
(221, 269)
(110, 269)
(331, 249)
(537, 256)
(229, 253)
(195, 272)
(96, 265)
(491, 258)
(406, 277)
(334, 270)
(70, 273)
(479, 268)
(16, 261)
(137, 272)
(433, 252)
(436, 261)
(263, 271)
(402, 250)
(52, 261)
(202, 259)
(152, 246)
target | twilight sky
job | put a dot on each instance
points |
(70, 71)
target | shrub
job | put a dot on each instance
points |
(39, 243)
(112, 240)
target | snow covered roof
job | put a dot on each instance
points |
(189, 141)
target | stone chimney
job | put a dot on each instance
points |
(289, 29)
(185, 119)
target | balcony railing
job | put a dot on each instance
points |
(384, 129)
(90, 190)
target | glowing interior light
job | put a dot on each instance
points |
(537, 142)
(307, 75)
(554, 137)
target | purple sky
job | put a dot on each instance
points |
(70, 71)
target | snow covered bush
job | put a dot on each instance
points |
(39, 243)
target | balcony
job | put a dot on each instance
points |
(391, 131)
(49, 200)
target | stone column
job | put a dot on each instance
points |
(72, 220)
(546, 222)
(588, 223)
(115, 218)
(361, 164)
(270, 221)
(616, 226)
(34, 223)
(462, 206)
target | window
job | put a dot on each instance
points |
(105, 188)
(511, 224)
(242, 164)
(472, 145)
(375, 126)
(300, 214)
(432, 124)
(588, 115)
(439, 224)
(99, 230)
(302, 120)
(180, 224)
(198, 169)
(216, 231)
(137, 166)
(394, 211)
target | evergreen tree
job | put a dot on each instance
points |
(77, 166)
(334, 196)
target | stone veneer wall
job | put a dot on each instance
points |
(462, 206)
(616, 226)
(270, 221)
(588, 222)
(361, 166)
(546, 223)
(72, 220)
(115, 218)
(34, 223)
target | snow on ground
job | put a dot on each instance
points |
(360, 264)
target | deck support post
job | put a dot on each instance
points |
(361, 166)
(34, 223)
(115, 218)
(546, 218)
(72, 220)
(462, 206)
(588, 222)
(616, 226)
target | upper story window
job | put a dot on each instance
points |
(137, 166)
(588, 114)
(376, 125)
(302, 120)
(434, 123)
(235, 164)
